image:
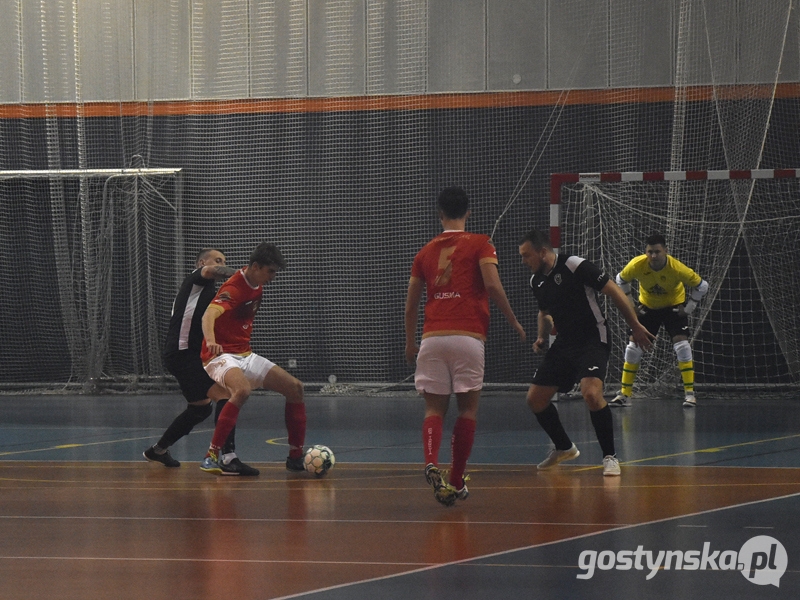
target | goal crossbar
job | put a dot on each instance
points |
(48, 173)
(557, 180)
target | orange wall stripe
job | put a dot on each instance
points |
(394, 103)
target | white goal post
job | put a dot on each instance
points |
(736, 228)
(105, 250)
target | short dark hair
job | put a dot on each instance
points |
(537, 239)
(267, 254)
(656, 239)
(204, 252)
(453, 202)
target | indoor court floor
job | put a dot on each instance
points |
(708, 504)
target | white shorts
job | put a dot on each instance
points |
(254, 367)
(449, 364)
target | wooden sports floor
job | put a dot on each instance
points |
(84, 516)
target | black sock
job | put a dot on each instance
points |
(230, 443)
(604, 429)
(184, 423)
(551, 423)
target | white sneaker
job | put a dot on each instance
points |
(620, 400)
(690, 401)
(558, 456)
(611, 466)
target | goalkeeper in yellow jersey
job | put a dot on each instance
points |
(663, 280)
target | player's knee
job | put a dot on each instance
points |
(295, 392)
(200, 412)
(633, 354)
(683, 351)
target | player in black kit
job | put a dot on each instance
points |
(566, 291)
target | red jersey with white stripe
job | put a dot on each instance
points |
(233, 327)
(457, 301)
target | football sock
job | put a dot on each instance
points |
(628, 377)
(230, 443)
(184, 423)
(687, 375)
(551, 423)
(604, 429)
(432, 439)
(295, 417)
(225, 423)
(461, 445)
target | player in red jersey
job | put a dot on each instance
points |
(458, 270)
(229, 360)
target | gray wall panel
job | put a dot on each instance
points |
(220, 49)
(10, 51)
(456, 46)
(279, 49)
(105, 33)
(397, 47)
(648, 26)
(336, 48)
(162, 30)
(49, 52)
(578, 36)
(760, 48)
(517, 41)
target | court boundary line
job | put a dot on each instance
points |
(531, 547)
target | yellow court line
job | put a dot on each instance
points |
(70, 446)
(689, 452)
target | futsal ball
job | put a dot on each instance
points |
(319, 460)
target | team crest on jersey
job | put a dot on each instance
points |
(557, 278)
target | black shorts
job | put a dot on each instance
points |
(674, 322)
(565, 365)
(188, 369)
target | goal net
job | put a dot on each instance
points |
(735, 228)
(97, 256)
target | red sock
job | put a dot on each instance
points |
(463, 438)
(225, 422)
(432, 438)
(295, 416)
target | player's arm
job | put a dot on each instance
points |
(217, 272)
(625, 286)
(491, 280)
(210, 317)
(544, 327)
(641, 337)
(695, 296)
(413, 297)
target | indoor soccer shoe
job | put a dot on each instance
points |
(463, 493)
(611, 466)
(690, 401)
(620, 400)
(165, 459)
(295, 464)
(443, 492)
(210, 464)
(236, 467)
(558, 456)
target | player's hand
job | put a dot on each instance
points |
(214, 349)
(520, 331)
(642, 338)
(540, 346)
(411, 353)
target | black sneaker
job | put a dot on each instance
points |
(295, 464)
(165, 459)
(237, 467)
